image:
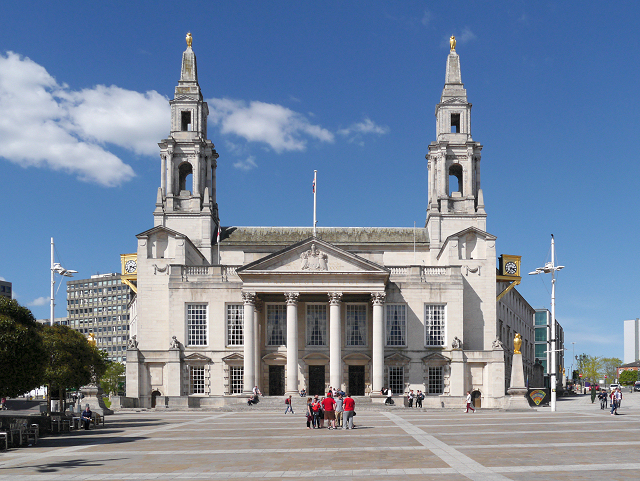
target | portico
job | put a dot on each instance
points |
(318, 280)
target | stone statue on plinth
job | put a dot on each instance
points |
(517, 390)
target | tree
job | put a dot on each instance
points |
(111, 377)
(22, 355)
(71, 361)
(591, 368)
(610, 367)
(629, 377)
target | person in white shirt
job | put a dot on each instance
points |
(469, 406)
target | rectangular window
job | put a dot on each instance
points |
(396, 324)
(541, 318)
(235, 325)
(434, 324)
(316, 324)
(541, 334)
(276, 324)
(436, 384)
(455, 123)
(541, 351)
(236, 379)
(356, 325)
(196, 379)
(197, 324)
(396, 379)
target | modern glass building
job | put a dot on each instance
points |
(99, 306)
(542, 326)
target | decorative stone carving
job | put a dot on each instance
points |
(446, 380)
(377, 298)
(314, 260)
(335, 298)
(157, 269)
(249, 298)
(457, 343)
(292, 298)
(133, 342)
(174, 344)
(497, 345)
(475, 270)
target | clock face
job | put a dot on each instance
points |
(130, 267)
(510, 268)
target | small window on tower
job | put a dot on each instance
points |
(455, 123)
(186, 121)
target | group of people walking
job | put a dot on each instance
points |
(338, 410)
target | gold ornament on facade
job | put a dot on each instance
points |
(91, 339)
(517, 343)
(189, 39)
(452, 42)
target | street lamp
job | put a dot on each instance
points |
(56, 268)
(550, 267)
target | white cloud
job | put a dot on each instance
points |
(246, 164)
(367, 126)
(426, 18)
(46, 124)
(466, 36)
(40, 301)
(277, 126)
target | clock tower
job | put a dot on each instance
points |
(455, 198)
(186, 200)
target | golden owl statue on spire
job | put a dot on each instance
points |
(189, 39)
(452, 42)
(517, 343)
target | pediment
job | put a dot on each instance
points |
(315, 356)
(196, 356)
(274, 356)
(312, 256)
(397, 359)
(435, 357)
(233, 358)
(356, 356)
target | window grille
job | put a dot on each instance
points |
(197, 324)
(196, 379)
(436, 383)
(236, 377)
(434, 323)
(276, 324)
(316, 325)
(396, 379)
(396, 324)
(356, 325)
(235, 325)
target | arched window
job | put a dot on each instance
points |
(455, 174)
(184, 171)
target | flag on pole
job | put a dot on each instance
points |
(219, 232)
(314, 184)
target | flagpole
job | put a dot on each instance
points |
(218, 242)
(315, 172)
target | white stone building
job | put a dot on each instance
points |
(285, 310)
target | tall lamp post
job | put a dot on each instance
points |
(550, 267)
(56, 268)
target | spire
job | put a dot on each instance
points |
(189, 67)
(453, 86)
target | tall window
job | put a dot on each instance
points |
(276, 324)
(434, 324)
(197, 324)
(396, 324)
(236, 379)
(196, 379)
(396, 379)
(235, 324)
(316, 324)
(356, 325)
(436, 384)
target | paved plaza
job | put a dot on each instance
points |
(578, 441)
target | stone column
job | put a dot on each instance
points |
(196, 175)
(256, 335)
(163, 175)
(335, 340)
(378, 341)
(292, 341)
(208, 164)
(169, 173)
(249, 299)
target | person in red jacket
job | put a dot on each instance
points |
(329, 406)
(349, 408)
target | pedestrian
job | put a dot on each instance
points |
(349, 411)
(339, 411)
(419, 399)
(469, 406)
(329, 410)
(619, 399)
(309, 414)
(410, 397)
(602, 396)
(287, 401)
(85, 417)
(321, 413)
(614, 402)
(315, 412)
(389, 399)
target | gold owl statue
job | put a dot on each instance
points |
(517, 343)
(91, 338)
(189, 39)
(452, 42)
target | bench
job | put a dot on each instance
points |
(4, 437)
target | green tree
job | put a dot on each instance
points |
(22, 355)
(111, 377)
(72, 361)
(610, 367)
(628, 378)
(591, 368)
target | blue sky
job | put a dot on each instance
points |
(349, 89)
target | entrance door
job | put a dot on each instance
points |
(356, 380)
(316, 380)
(276, 380)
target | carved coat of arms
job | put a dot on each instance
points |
(313, 260)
